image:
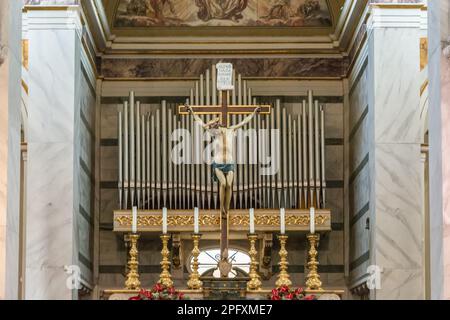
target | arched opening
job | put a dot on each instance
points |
(208, 259)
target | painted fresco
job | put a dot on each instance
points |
(239, 13)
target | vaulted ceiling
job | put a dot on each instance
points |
(156, 18)
(223, 27)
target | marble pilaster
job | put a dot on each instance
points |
(53, 170)
(439, 132)
(10, 104)
(394, 141)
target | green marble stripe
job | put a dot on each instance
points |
(85, 214)
(337, 226)
(331, 184)
(115, 142)
(87, 171)
(109, 142)
(87, 125)
(358, 77)
(358, 170)
(360, 260)
(85, 261)
(360, 214)
(358, 124)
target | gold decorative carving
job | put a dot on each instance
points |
(194, 282)
(313, 278)
(283, 276)
(132, 282)
(255, 281)
(165, 278)
(214, 220)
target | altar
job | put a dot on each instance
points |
(167, 191)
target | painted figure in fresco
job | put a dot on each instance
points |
(137, 8)
(281, 9)
(308, 8)
(221, 9)
(158, 7)
(142, 8)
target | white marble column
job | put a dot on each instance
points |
(439, 139)
(53, 166)
(10, 90)
(396, 219)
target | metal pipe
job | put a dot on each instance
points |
(322, 135)
(138, 154)
(214, 85)
(208, 85)
(120, 160)
(305, 155)
(311, 147)
(317, 152)
(132, 147)
(149, 180)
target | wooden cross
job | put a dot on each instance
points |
(224, 111)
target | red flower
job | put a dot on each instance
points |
(290, 296)
(158, 287)
(310, 297)
(135, 298)
(299, 291)
(146, 294)
(284, 289)
(275, 298)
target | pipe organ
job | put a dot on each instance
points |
(164, 158)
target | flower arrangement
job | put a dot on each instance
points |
(159, 292)
(286, 293)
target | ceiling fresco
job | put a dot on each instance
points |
(222, 13)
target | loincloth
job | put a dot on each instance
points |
(224, 167)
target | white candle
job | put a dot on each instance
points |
(252, 221)
(134, 224)
(312, 220)
(196, 221)
(282, 221)
(164, 216)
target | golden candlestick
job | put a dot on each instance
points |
(283, 276)
(194, 282)
(255, 281)
(165, 278)
(132, 282)
(313, 278)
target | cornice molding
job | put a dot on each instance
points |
(395, 15)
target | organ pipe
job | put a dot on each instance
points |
(148, 178)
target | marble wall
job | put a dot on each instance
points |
(396, 186)
(86, 140)
(10, 122)
(112, 251)
(439, 132)
(359, 176)
(61, 137)
(248, 67)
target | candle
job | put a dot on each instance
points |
(282, 221)
(164, 216)
(252, 221)
(312, 220)
(196, 223)
(134, 224)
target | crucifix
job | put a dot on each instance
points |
(224, 134)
